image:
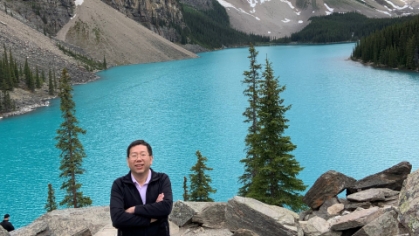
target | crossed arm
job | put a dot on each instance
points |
(140, 215)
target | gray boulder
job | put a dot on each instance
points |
(384, 225)
(317, 226)
(409, 204)
(4, 232)
(244, 232)
(326, 210)
(72, 221)
(263, 219)
(356, 219)
(202, 231)
(350, 206)
(373, 194)
(212, 215)
(391, 178)
(182, 212)
(327, 186)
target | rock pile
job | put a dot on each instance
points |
(383, 204)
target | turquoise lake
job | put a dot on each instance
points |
(345, 117)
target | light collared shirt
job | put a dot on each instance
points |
(142, 189)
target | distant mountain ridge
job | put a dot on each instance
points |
(282, 17)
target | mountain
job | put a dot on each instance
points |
(105, 32)
(94, 31)
(282, 17)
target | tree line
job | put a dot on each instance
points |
(211, 28)
(340, 27)
(14, 75)
(395, 46)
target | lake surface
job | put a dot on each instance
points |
(345, 117)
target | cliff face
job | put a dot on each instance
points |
(47, 16)
(157, 15)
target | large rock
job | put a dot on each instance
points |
(182, 212)
(80, 221)
(263, 219)
(202, 231)
(317, 226)
(391, 178)
(212, 215)
(384, 225)
(409, 203)
(327, 186)
(356, 219)
(373, 194)
(3, 232)
(244, 232)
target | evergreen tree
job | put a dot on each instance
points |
(200, 182)
(50, 205)
(72, 151)
(252, 80)
(276, 182)
(54, 79)
(50, 84)
(185, 189)
(28, 76)
(105, 66)
(37, 78)
(43, 78)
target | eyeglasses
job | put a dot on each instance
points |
(135, 156)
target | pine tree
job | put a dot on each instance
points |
(37, 78)
(28, 76)
(252, 80)
(72, 151)
(185, 189)
(104, 65)
(51, 204)
(200, 182)
(50, 84)
(276, 182)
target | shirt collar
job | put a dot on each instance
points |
(147, 180)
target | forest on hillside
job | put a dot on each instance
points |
(339, 27)
(395, 46)
(211, 29)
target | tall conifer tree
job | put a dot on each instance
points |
(252, 80)
(72, 151)
(185, 189)
(200, 182)
(51, 204)
(276, 182)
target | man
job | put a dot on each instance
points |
(6, 224)
(142, 200)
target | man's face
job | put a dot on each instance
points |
(139, 160)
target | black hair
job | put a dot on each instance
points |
(140, 142)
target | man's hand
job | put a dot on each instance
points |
(130, 210)
(160, 197)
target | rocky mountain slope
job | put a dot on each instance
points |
(95, 30)
(105, 32)
(281, 18)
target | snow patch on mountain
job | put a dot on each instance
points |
(78, 2)
(395, 6)
(383, 12)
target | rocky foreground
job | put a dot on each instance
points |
(383, 204)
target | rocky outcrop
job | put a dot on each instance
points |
(327, 186)
(391, 178)
(409, 204)
(362, 214)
